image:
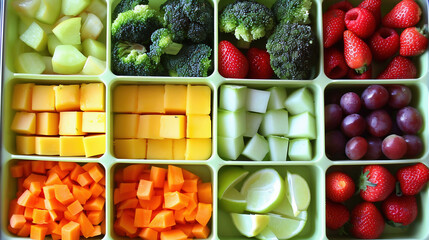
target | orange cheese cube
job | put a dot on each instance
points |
(198, 126)
(125, 125)
(25, 145)
(70, 123)
(21, 98)
(173, 126)
(198, 148)
(175, 99)
(94, 122)
(43, 98)
(71, 146)
(47, 145)
(159, 149)
(92, 97)
(150, 99)
(94, 145)
(179, 149)
(125, 99)
(130, 148)
(67, 98)
(24, 123)
(47, 123)
(198, 100)
(149, 126)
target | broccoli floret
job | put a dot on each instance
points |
(192, 61)
(248, 20)
(132, 59)
(292, 11)
(292, 49)
(189, 19)
(162, 42)
(125, 5)
(137, 25)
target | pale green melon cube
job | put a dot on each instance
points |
(35, 37)
(91, 47)
(48, 63)
(257, 100)
(49, 11)
(302, 126)
(91, 27)
(67, 60)
(300, 149)
(275, 122)
(30, 62)
(253, 122)
(93, 66)
(231, 124)
(74, 7)
(277, 98)
(232, 97)
(300, 101)
(20, 47)
(68, 31)
(53, 42)
(98, 7)
(257, 148)
(26, 7)
(230, 148)
(278, 147)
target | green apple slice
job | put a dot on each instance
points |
(278, 147)
(49, 11)
(282, 227)
(297, 192)
(91, 47)
(68, 31)
(300, 101)
(253, 122)
(230, 148)
(275, 122)
(233, 201)
(277, 98)
(99, 8)
(74, 7)
(91, 27)
(250, 225)
(300, 149)
(257, 148)
(302, 126)
(30, 62)
(26, 7)
(229, 177)
(93, 66)
(35, 37)
(232, 97)
(68, 60)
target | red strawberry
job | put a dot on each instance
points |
(405, 14)
(357, 54)
(376, 183)
(360, 21)
(375, 7)
(336, 215)
(413, 178)
(333, 27)
(259, 64)
(384, 43)
(367, 221)
(400, 209)
(343, 5)
(335, 64)
(339, 187)
(232, 63)
(399, 68)
(413, 42)
(352, 74)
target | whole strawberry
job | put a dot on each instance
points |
(339, 187)
(413, 178)
(335, 64)
(232, 63)
(360, 21)
(413, 42)
(375, 7)
(333, 27)
(384, 43)
(336, 215)
(400, 210)
(259, 64)
(342, 5)
(405, 14)
(352, 74)
(376, 183)
(367, 221)
(357, 54)
(399, 68)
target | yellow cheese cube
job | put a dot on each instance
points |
(47, 123)
(198, 148)
(67, 98)
(43, 98)
(149, 126)
(150, 99)
(130, 148)
(94, 145)
(25, 145)
(125, 125)
(198, 126)
(198, 100)
(175, 99)
(21, 98)
(179, 149)
(71, 146)
(94, 122)
(47, 145)
(159, 149)
(70, 123)
(92, 97)
(24, 123)
(173, 126)
(125, 99)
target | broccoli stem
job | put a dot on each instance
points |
(173, 48)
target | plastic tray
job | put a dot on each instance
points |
(221, 228)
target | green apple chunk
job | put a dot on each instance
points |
(257, 100)
(48, 63)
(30, 62)
(275, 122)
(49, 11)
(35, 37)
(74, 7)
(278, 147)
(67, 60)
(91, 27)
(26, 7)
(253, 122)
(230, 148)
(232, 97)
(277, 98)
(91, 47)
(300, 101)
(281, 227)
(231, 124)
(257, 148)
(93, 66)
(98, 7)
(68, 31)
(302, 126)
(300, 149)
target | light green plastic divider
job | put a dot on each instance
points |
(221, 227)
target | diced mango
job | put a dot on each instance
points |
(94, 145)
(67, 98)
(198, 100)
(92, 97)
(175, 99)
(47, 145)
(71, 146)
(159, 149)
(47, 123)
(198, 126)
(125, 99)
(198, 148)
(150, 99)
(125, 125)
(179, 149)
(173, 126)
(25, 145)
(94, 122)
(24, 123)
(70, 123)
(21, 98)
(43, 98)
(149, 126)
(130, 148)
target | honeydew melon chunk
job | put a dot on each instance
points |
(26, 7)
(62, 19)
(300, 149)
(300, 101)
(93, 66)
(35, 37)
(230, 148)
(257, 100)
(91, 47)
(68, 59)
(275, 122)
(257, 148)
(48, 63)
(302, 126)
(68, 31)
(74, 7)
(278, 147)
(53, 42)
(232, 97)
(91, 27)
(231, 124)
(30, 62)
(49, 11)
(253, 122)
(98, 7)
(277, 98)
(20, 47)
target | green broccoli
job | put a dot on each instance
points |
(247, 19)
(292, 49)
(292, 11)
(125, 5)
(137, 25)
(189, 19)
(133, 59)
(162, 42)
(192, 61)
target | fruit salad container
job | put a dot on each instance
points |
(313, 170)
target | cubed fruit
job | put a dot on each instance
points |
(125, 99)
(47, 123)
(125, 125)
(94, 122)
(231, 124)
(26, 7)
(68, 31)
(25, 145)
(300, 149)
(150, 99)
(275, 122)
(198, 126)
(92, 97)
(253, 122)
(21, 97)
(43, 98)
(67, 97)
(149, 126)
(71, 146)
(172, 126)
(49, 11)
(179, 149)
(74, 7)
(257, 100)
(277, 98)
(70, 123)
(91, 47)
(47, 145)
(232, 97)
(257, 148)
(175, 99)
(49, 69)
(53, 42)
(300, 101)
(130, 148)
(93, 66)
(35, 37)
(94, 145)
(159, 149)
(91, 27)
(30, 62)
(98, 7)
(24, 123)
(67, 59)
(198, 148)
(278, 147)
(198, 100)
(302, 126)
(230, 148)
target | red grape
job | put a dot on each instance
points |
(353, 125)
(409, 120)
(400, 96)
(333, 116)
(335, 144)
(379, 123)
(350, 103)
(414, 146)
(394, 147)
(374, 148)
(356, 148)
(375, 97)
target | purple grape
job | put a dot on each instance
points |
(374, 148)
(400, 96)
(394, 147)
(353, 125)
(409, 120)
(375, 97)
(333, 116)
(379, 123)
(356, 148)
(414, 146)
(350, 103)
(335, 142)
